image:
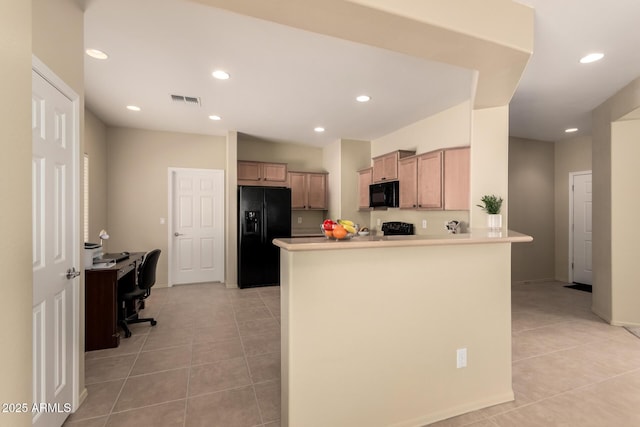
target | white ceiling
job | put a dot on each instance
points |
(556, 91)
(284, 82)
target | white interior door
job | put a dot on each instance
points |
(55, 251)
(582, 228)
(197, 226)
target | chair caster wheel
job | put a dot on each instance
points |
(127, 334)
(154, 323)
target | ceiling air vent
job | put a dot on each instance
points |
(189, 100)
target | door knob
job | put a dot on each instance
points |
(178, 234)
(72, 273)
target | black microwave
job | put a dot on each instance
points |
(385, 194)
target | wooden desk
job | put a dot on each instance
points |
(101, 301)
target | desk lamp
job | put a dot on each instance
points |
(103, 235)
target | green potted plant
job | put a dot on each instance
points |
(492, 204)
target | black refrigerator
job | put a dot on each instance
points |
(264, 214)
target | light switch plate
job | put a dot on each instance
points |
(461, 358)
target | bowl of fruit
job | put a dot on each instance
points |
(339, 230)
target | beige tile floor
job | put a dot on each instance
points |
(213, 360)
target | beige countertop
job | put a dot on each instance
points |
(475, 236)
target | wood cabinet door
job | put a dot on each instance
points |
(390, 166)
(317, 191)
(457, 179)
(408, 182)
(364, 181)
(274, 172)
(378, 169)
(249, 171)
(430, 180)
(298, 184)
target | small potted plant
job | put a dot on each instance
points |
(492, 204)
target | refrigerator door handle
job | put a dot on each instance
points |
(263, 224)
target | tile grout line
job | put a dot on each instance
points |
(125, 380)
(246, 362)
(146, 336)
(562, 393)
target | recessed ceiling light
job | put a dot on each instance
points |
(363, 98)
(592, 57)
(319, 129)
(215, 118)
(571, 130)
(220, 75)
(133, 108)
(97, 54)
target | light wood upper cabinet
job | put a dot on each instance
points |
(261, 173)
(385, 167)
(421, 181)
(436, 180)
(430, 180)
(308, 190)
(298, 185)
(408, 182)
(457, 179)
(365, 179)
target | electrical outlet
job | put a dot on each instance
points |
(161, 220)
(461, 358)
(299, 220)
(424, 223)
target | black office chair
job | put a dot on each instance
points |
(146, 279)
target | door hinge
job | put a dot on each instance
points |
(572, 266)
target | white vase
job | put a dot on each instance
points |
(494, 221)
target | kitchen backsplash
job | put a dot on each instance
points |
(311, 221)
(435, 219)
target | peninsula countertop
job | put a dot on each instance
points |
(475, 236)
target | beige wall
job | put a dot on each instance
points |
(299, 157)
(137, 184)
(15, 192)
(332, 159)
(531, 208)
(382, 357)
(609, 293)
(95, 146)
(354, 155)
(342, 159)
(489, 161)
(449, 128)
(572, 155)
(231, 211)
(625, 234)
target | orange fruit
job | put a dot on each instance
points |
(328, 233)
(339, 232)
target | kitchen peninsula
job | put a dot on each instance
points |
(373, 328)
